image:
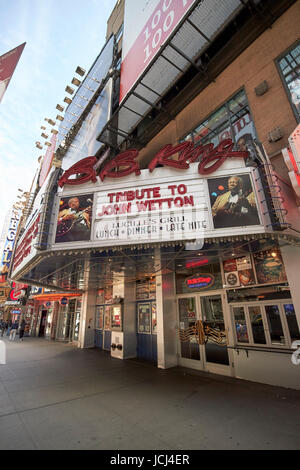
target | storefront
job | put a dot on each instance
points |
(57, 316)
(185, 252)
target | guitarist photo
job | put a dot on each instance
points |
(237, 206)
(73, 223)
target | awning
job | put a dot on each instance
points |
(51, 297)
(194, 33)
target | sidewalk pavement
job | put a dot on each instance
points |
(56, 396)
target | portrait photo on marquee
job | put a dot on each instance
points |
(74, 219)
(232, 201)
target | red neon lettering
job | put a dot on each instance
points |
(218, 156)
(124, 159)
(198, 280)
(163, 156)
(125, 163)
(84, 168)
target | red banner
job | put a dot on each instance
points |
(8, 63)
(155, 32)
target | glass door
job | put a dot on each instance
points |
(203, 329)
(212, 316)
(147, 330)
(188, 317)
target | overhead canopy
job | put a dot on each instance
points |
(204, 21)
(52, 296)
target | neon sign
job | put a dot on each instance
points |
(125, 163)
(200, 281)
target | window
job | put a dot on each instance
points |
(240, 325)
(271, 324)
(289, 69)
(231, 121)
(257, 325)
(119, 33)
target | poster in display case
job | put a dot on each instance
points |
(116, 317)
(269, 266)
(146, 288)
(154, 318)
(144, 318)
(99, 317)
(107, 317)
(239, 271)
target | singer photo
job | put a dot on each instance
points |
(233, 202)
(74, 219)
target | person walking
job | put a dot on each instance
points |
(4, 326)
(13, 331)
(22, 329)
(9, 324)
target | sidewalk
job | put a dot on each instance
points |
(56, 396)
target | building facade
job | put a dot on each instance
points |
(172, 227)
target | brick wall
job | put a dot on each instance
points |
(255, 64)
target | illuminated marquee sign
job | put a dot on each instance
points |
(10, 240)
(25, 247)
(200, 281)
(124, 164)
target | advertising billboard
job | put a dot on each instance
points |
(87, 89)
(8, 63)
(47, 161)
(145, 33)
(85, 143)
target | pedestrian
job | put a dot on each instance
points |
(13, 331)
(4, 326)
(9, 324)
(22, 329)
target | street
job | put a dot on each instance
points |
(56, 396)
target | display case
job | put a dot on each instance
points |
(146, 315)
(116, 315)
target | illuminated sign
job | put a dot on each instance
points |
(200, 281)
(195, 264)
(9, 241)
(212, 158)
(24, 248)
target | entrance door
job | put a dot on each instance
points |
(203, 312)
(212, 316)
(103, 327)
(43, 323)
(146, 330)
